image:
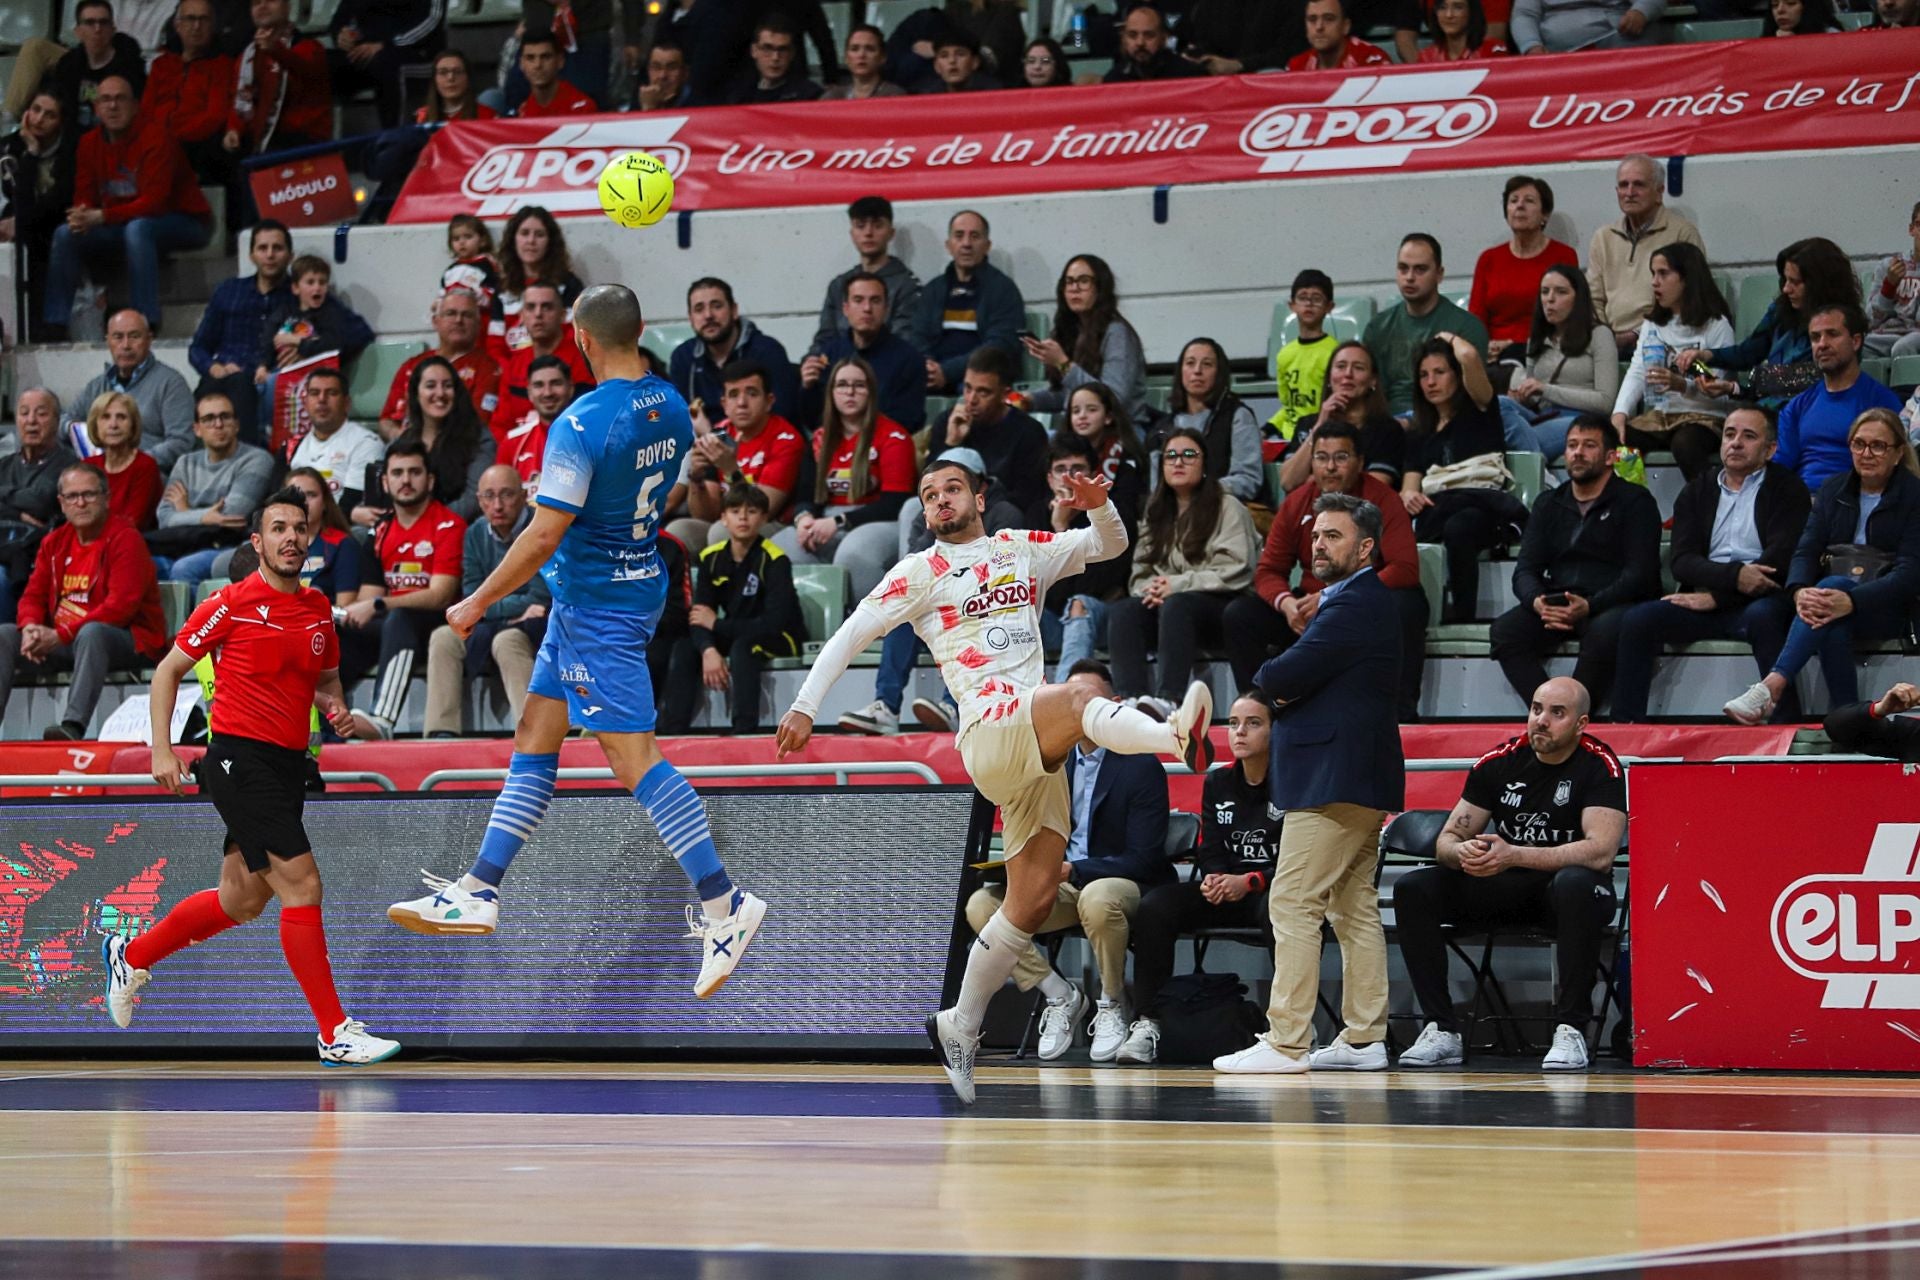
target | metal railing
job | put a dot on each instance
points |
(839, 770)
(361, 777)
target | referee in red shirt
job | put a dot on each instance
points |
(275, 657)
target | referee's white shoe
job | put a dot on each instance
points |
(353, 1046)
(448, 909)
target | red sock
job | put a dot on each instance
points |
(196, 919)
(304, 939)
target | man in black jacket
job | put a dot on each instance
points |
(1870, 729)
(1143, 50)
(1734, 531)
(745, 611)
(374, 39)
(1591, 550)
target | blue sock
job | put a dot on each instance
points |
(681, 820)
(519, 809)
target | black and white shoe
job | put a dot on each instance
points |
(956, 1051)
(122, 980)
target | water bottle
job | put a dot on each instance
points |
(1077, 31)
(1653, 355)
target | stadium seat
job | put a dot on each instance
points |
(372, 376)
(1879, 368)
(176, 604)
(1433, 580)
(1344, 322)
(1031, 370)
(823, 590)
(1729, 29)
(888, 14)
(1905, 371)
(1529, 476)
(1756, 294)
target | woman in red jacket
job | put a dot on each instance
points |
(133, 477)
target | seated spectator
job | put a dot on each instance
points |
(91, 605)
(1459, 31)
(752, 442)
(1331, 44)
(548, 93)
(1351, 395)
(1616, 270)
(309, 321)
(148, 22)
(1096, 417)
(192, 90)
(36, 190)
(745, 610)
(870, 226)
(998, 30)
(1798, 17)
(1816, 425)
(533, 251)
(1591, 551)
(1730, 567)
(1563, 26)
(134, 198)
(1238, 37)
(863, 474)
(1455, 482)
(1232, 866)
(1891, 15)
(1506, 279)
(338, 449)
(456, 322)
(211, 494)
(133, 477)
(722, 336)
(665, 86)
(1814, 275)
(30, 476)
(895, 366)
(549, 390)
(103, 52)
(1144, 54)
(957, 66)
(503, 641)
(1091, 341)
(1530, 845)
(1196, 552)
(226, 342)
(332, 566)
(1010, 443)
(1073, 617)
(451, 95)
(773, 78)
(585, 35)
(441, 416)
(166, 406)
(866, 59)
(375, 40)
(1398, 334)
(1115, 853)
(473, 268)
(1565, 372)
(1856, 572)
(1044, 65)
(1300, 366)
(419, 549)
(543, 317)
(1659, 407)
(1880, 728)
(1894, 306)
(1203, 403)
(970, 305)
(282, 96)
(1260, 625)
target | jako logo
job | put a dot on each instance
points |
(1859, 934)
(1371, 122)
(562, 170)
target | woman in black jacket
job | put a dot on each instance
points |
(1868, 516)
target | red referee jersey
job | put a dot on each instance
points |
(269, 648)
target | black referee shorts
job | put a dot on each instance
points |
(260, 790)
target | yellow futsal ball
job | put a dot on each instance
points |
(635, 189)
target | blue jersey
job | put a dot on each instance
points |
(612, 457)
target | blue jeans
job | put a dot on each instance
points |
(193, 568)
(1079, 637)
(897, 654)
(1833, 643)
(1551, 436)
(1651, 626)
(139, 243)
(1517, 426)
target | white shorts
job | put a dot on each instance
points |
(1003, 759)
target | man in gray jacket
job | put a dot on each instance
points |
(1562, 26)
(210, 494)
(166, 405)
(870, 226)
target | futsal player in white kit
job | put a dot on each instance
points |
(976, 602)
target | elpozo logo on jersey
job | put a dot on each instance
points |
(1003, 593)
(1371, 122)
(562, 169)
(1859, 934)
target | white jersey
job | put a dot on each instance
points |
(977, 605)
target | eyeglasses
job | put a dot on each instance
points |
(849, 384)
(497, 495)
(1332, 459)
(217, 417)
(1078, 282)
(1312, 299)
(1040, 60)
(1069, 469)
(764, 47)
(1181, 455)
(1872, 448)
(87, 495)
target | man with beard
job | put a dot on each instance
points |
(721, 335)
(1814, 425)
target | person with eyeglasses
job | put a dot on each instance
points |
(1044, 66)
(1856, 573)
(104, 51)
(773, 76)
(1817, 426)
(211, 493)
(91, 605)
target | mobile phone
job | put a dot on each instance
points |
(1701, 369)
(1027, 334)
(1557, 599)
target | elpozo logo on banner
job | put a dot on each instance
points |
(1371, 122)
(562, 169)
(1858, 934)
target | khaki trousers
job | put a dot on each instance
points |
(1325, 872)
(1104, 909)
(446, 663)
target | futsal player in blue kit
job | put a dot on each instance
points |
(611, 460)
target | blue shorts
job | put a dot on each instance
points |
(597, 663)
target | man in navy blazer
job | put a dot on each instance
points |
(1337, 772)
(1117, 850)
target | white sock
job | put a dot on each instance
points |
(718, 909)
(1055, 987)
(1123, 729)
(990, 962)
(473, 884)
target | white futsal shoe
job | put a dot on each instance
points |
(1260, 1059)
(1057, 1021)
(1108, 1029)
(1190, 727)
(122, 981)
(956, 1051)
(449, 909)
(1434, 1048)
(352, 1046)
(724, 942)
(1569, 1052)
(1341, 1056)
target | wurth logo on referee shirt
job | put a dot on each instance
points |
(1859, 934)
(1371, 122)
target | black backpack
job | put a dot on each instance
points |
(1203, 1016)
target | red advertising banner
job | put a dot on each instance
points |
(76, 758)
(290, 421)
(1776, 916)
(1749, 96)
(312, 192)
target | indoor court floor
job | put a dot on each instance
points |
(437, 1171)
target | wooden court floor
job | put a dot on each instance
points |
(484, 1171)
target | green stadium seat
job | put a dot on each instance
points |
(1039, 323)
(1345, 322)
(1756, 294)
(372, 376)
(1727, 29)
(176, 604)
(1529, 476)
(661, 339)
(1905, 372)
(1433, 580)
(823, 591)
(1879, 368)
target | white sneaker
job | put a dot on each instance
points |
(1191, 723)
(448, 909)
(122, 981)
(724, 942)
(1341, 1056)
(1260, 1059)
(369, 727)
(1109, 1030)
(874, 718)
(351, 1046)
(1057, 1021)
(1569, 1052)
(1751, 707)
(1142, 1043)
(956, 1051)
(1434, 1048)
(1159, 708)
(933, 714)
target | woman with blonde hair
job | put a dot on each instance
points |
(133, 477)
